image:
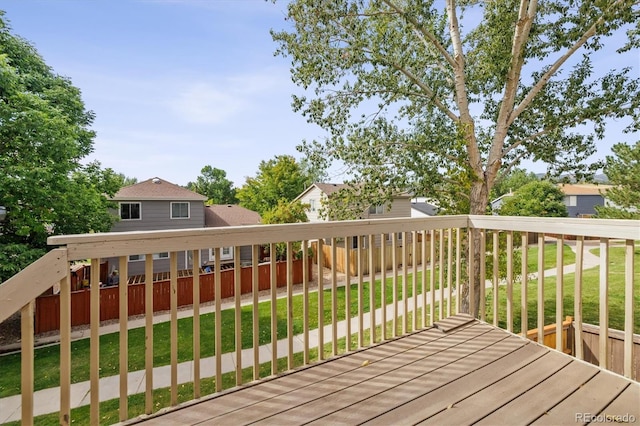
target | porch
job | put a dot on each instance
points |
(459, 371)
(393, 324)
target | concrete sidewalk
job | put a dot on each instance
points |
(48, 400)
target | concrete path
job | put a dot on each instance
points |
(48, 400)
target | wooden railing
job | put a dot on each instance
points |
(408, 296)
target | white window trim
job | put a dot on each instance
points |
(129, 202)
(223, 256)
(142, 257)
(379, 209)
(312, 204)
(180, 202)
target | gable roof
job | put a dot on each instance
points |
(326, 188)
(426, 208)
(156, 189)
(229, 215)
(584, 189)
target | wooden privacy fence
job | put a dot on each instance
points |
(364, 253)
(47, 312)
(615, 347)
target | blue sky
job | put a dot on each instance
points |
(177, 85)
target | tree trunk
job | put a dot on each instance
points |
(479, 200)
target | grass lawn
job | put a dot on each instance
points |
(549, 257)
(46, 362)
(590, 295)
(47, 359)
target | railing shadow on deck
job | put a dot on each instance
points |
(416, 292)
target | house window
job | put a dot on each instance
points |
(376, 209)
(141, 257)
(570, 201)
(179, 210)
(226, 253)
(130, 211)
(312, 205)
(354, 242)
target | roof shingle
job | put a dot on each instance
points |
(156, 189)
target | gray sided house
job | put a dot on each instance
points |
(156, 204)
(317, 194)
(581, 199)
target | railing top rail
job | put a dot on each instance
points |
(601, 228)
(32, 281)
(112, 244)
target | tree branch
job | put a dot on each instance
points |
(428, 35)
(556, 66)
(526, 15)
(430, 93)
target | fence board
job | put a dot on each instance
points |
(47, 314)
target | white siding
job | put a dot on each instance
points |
(318, 196)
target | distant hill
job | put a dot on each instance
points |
(599, 178)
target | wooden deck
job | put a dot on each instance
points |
(461, 371)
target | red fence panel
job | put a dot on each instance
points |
(47, 313)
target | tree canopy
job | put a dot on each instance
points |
(286, 212)
(45, 132)
(623, 171)
(512, 181)
(440, 97)
(281, 178)
(213, 184)
(538, 198)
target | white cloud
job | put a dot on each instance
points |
(206, 102)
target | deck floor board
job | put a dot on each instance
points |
(459, 372)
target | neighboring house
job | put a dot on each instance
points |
(581, 199)
(497, 203)
(316, 195)
(157, 204)
(421, 207)
(230, 215)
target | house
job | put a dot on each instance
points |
(217, 215)
(497, 203)
(581, 199)
(317, 194)
(157, 204)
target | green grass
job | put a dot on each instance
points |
(590, 295)
(550, 251)
(47, 359)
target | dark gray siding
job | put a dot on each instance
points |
(585, 205)
(157, 215)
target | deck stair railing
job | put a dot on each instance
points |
(433, 262)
